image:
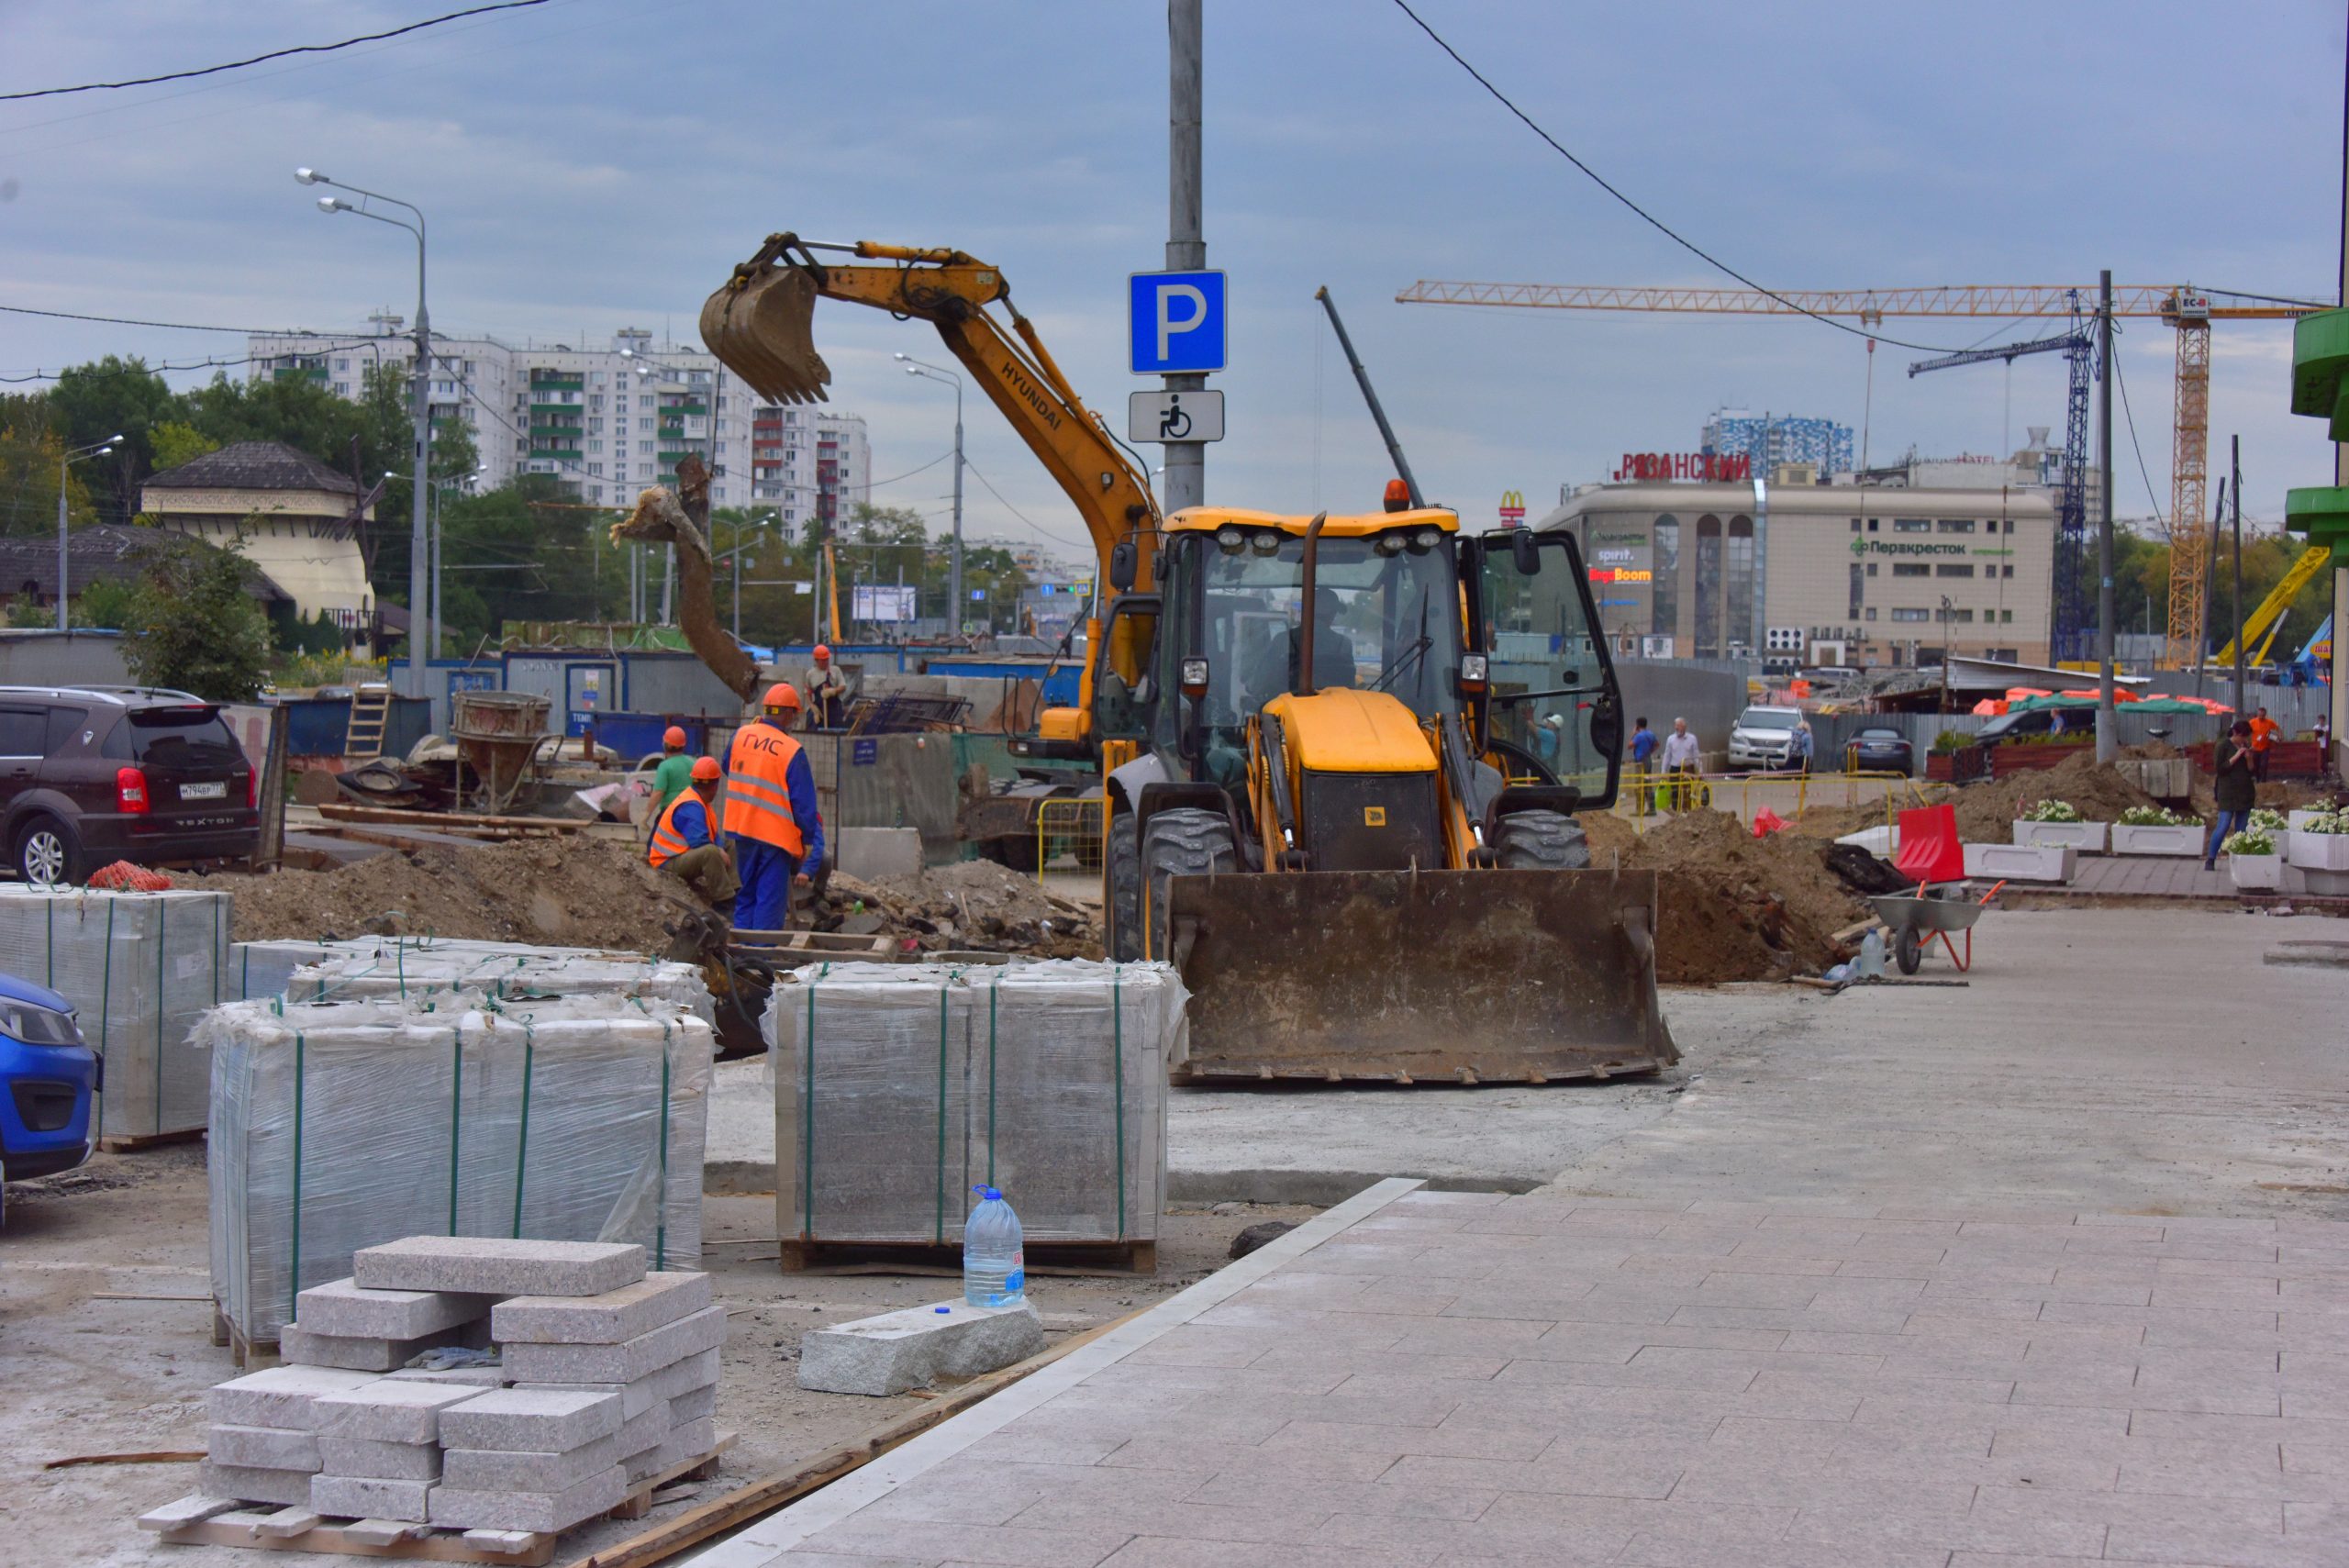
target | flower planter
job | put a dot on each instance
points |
(2088, 837)
(2262, 872)
(2021, 862)
(2184, 839)
(2319, 852)
(2299, 820)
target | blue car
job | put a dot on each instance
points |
(48, 1079)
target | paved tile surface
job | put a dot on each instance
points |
(1463, 1379)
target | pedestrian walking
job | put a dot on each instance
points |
(2262, 740)
(1680, 758)
(2321, 731)
(1799, 752)
(1643, 745)
(2234, 789)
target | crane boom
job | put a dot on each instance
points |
(2006, 352)
(2184, 308)
(2268, 618)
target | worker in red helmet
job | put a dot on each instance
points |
(827, 692)
(771, 814)
(675, 770)
(684, 840)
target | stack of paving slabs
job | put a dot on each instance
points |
(337, 1126)
(508, 1447)
(433, 973)
(140, 969)
(898, 1089)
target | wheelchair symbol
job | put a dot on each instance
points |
(1173, 423)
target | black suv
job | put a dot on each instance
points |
(93, 774)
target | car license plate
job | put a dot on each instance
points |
(217, 790)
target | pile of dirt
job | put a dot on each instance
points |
(571, 892)
(1733, 907)
(1987, 811)
(972, 907)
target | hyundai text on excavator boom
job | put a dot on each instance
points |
(1341, 756)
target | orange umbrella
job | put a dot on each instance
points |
(1989, 708)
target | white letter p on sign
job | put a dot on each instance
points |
(1167, 325)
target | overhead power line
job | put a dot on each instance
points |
(134, 321)
(273, 54)
(1650, 219)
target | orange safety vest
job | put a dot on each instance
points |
(667, 841)
(758, 787)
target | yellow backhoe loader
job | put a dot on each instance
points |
(1341, 755)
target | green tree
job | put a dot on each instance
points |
(173, 442)
(192, 624)
(109, 398)
(524, 551)
(31, 452)
(106, 604)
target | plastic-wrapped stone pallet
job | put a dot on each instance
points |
(513, 977)
(341, 1125)
(899, 1088)
(140, 967)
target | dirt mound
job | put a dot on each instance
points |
(575, 892)
(1732, 907)
(1987, 811)
(974, 905)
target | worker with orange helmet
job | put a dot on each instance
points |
(675, 774)
(770, 812)
(684, 840)
(827, 692)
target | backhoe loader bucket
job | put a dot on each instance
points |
(1448, 976)
(759, 327)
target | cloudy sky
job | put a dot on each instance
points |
(589, 164)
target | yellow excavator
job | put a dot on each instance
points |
(1341, 756)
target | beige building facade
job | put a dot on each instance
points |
(1805, 574)
(294, 517)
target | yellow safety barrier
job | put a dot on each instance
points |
(1072, 827)
(1649, 794)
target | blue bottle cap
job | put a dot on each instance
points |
(941, 1309)
(989, 1193)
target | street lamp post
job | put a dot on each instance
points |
(418, 567)
(955, 559)
(63, 463)
(771, 519)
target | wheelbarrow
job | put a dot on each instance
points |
(1916, 917)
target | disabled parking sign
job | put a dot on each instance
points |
(1176, 323)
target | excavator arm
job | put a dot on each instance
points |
(758, 322)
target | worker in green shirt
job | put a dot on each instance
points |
(675, 773)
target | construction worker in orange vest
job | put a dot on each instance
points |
(685, 840)
(770, 812)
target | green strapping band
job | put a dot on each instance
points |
(162, 919)
(807, 1123)
(990, 1081)
(106, 1000)
(456, 1114)
(522, 1144)
(1118, 1077)
(661, 1207)
(938, 1224)
(294, 1287)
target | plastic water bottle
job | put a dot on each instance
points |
(1872, 955)
(994, 1267)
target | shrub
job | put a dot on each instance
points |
(2250, 841)
(2151, 817)
(1953, 740)
(2051, 811)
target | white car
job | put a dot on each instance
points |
(1764, 738)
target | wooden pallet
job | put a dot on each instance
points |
(925, 1257)
(254, 1355)
(200, 1520)
(131, 1143)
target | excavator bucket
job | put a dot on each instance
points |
(760, 325)
(1448, 976)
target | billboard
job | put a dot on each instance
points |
(883, 601)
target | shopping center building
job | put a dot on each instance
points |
(1799, 573)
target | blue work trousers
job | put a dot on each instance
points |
(766, 870)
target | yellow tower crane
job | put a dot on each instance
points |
(2184, 308)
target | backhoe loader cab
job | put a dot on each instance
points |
(1394, 719)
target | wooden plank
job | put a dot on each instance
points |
(765, 1496)
(350, 811)
(238, 1529)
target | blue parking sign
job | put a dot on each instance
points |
(1176, 323)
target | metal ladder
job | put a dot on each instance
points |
(371, 713)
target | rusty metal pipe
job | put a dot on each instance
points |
(1305, 654)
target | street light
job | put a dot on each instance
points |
(64, 463)
(736, 553)
(418, 548)
(955, 568)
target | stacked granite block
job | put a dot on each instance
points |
(618, 1369)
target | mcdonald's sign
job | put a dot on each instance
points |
(1512, 508)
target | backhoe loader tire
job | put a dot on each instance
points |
(1181, 841)
(1124, 890)
(1541, 841)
